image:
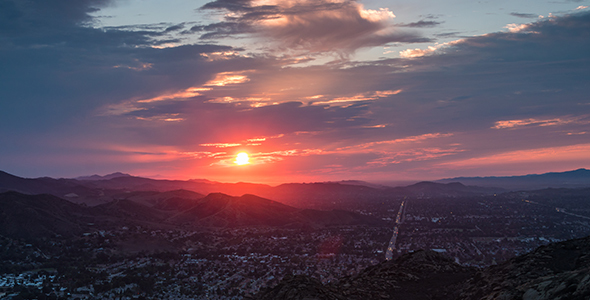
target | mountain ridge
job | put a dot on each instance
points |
(318, 195)
(578, 178)
(105, 177)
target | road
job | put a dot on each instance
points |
(398, 220)
(558, 209)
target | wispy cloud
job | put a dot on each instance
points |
(356, 98)
(414, 155)
(187, 93)
(223, 79)
(221, 145)
(510, 124)
(379, 145)
(421, 24)
(524, 15)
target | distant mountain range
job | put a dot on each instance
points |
(570, 179)
(105, 177)
(555, 271)
(95, 190)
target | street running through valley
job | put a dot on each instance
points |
(398, 220)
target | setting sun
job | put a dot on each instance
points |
(242, 159)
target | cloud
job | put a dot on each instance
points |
(414, 155)
(539, 122)
(522, 39)
(356, 98)
(523, 15)
(463, 87)
(388, 143)
(421, 24)
(537, 155)
(417, 52)
(515, 28)
(78, 95)
(30, 16)
(314, 26)
(58, 69)
(221, 145)
(412, 53)
(223, 79)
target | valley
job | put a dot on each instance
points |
(183, 244)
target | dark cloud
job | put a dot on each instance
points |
(523, 15)
(314, 26)
(421, 24)
(175, 27)
(431, 16)
(447, 34)
(561, 38)
(225, 29)
(231, 5)
(56, 68)
(39, 17)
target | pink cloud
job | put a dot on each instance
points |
(509, 124)
(540, 155)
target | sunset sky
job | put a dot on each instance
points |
(317, 90)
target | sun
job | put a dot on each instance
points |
(242, 159)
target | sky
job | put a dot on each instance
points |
(321, 90)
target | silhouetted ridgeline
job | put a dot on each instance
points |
(94, 190)
(571, 179)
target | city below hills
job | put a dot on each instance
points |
(124, 237)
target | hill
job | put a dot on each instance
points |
(105, 177)
(169, 200)
(35, 216)
(418, 275)
(571, 179)
(220, 210)
(44, 185)
(554, 271)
